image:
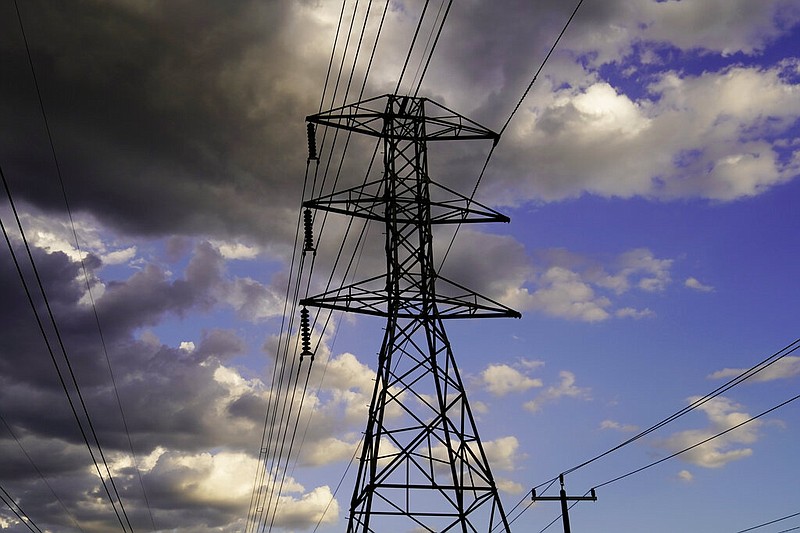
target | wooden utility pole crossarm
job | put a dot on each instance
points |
(563, 498)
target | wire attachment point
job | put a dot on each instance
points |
(305, 335)
(312, 142)
(308, 232)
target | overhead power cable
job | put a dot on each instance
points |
(333, 53)
(263, 497)
(18, 512)
(411, 47)
(122, 518)
(39, 472)
(747, 374)
(692, 447)
(704, 441)
(80, 255)
(781, 519)
(260, 493)
(433, 47)
(541, 67)
(508, 121)
(284, 405)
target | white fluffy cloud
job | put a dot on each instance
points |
(563, 293)
(784, 368)
(695, 284)
(723, 414)
(502, 453)
(617, 426)
(501, 379)
(689, 136)
(565, 388)
(581, 288)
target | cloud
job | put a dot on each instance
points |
(511, 487)
(695, 284)
(192, 416)
(200, 130)
(501, 379)
(556, 282)
(722, 414)
(611, 424)
(566, 388)
(685, 476)
(568, 285)
(502, 453)
(718, 25)
(564, 294)
(630, 312)
(317, 506)
(703, 139)
(784, 368)
(327, 451)
(187, 346)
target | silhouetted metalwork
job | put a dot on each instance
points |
(563, 498)
(312, 141)
(305, 334)
(422, 466)
(308, 231)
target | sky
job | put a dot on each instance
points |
(651, 178)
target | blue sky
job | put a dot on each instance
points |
(651, 177)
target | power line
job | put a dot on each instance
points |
(770, 523)
(39, 472)
(693, 446)
(286, 415)
(80, 255)
(435, 42)
(65, 358)
(264, 494)
(411, 47)
(17, 510)
(508, 121)
(333, 52)
(541, 67)
(752, 371)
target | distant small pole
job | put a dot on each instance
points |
(563, 498)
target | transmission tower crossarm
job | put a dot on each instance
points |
(369, 117)
(369, 201)
(368, 297)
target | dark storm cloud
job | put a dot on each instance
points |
(168, 117)
(186, 117)
(170, 375)
(174, 398)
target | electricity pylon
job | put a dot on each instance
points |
(422, 467)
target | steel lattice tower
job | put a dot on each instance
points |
(423, 467)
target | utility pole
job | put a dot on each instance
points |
(563, 498)
(422, 466)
